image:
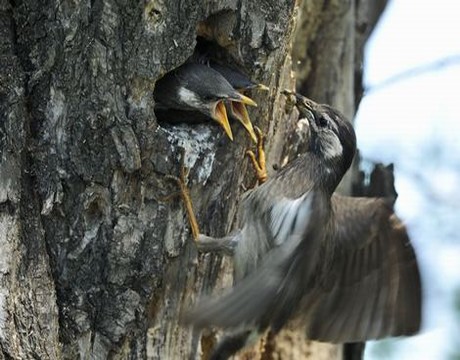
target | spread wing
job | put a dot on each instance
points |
(269, 294)
(372, 288)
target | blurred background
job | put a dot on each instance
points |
(409, 116)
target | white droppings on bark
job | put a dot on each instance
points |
(198, 144)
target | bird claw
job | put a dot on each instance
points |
(259, 162)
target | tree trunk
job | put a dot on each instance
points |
(94, 262)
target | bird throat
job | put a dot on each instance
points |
(324, 173)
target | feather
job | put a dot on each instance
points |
(378, 293)
(268, 291)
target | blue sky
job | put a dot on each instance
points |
(415, 123)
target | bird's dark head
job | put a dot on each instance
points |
(204, 89)
(332, 137)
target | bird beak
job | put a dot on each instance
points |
(262, 87)
(220, 115)
(241, 113)
(287, 92)
(305, 106)
(244, 100)
(299, 99)
(238, 108)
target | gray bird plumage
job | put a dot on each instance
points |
(343, 267)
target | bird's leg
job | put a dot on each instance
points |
(185, 195)
(225, 245)
(258, 162)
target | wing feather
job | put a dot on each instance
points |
(270, 293)
(373, 287)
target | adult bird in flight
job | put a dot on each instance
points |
(342, 267)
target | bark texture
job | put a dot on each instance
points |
(94, 262)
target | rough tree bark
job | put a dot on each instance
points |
(93, 262)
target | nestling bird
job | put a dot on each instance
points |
(195, 87)
(242, 83)
(342, 267)
(236, 78)
(207, 54)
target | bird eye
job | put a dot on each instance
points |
(209, 97)
(321, 121)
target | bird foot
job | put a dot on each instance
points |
(185, 195)
(258, 162)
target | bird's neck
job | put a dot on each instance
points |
(307, 172)
(323, 174)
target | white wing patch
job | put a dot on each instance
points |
(290, 217)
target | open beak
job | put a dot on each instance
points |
(220, 115)
(241, 113)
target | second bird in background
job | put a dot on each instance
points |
(241, 83)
